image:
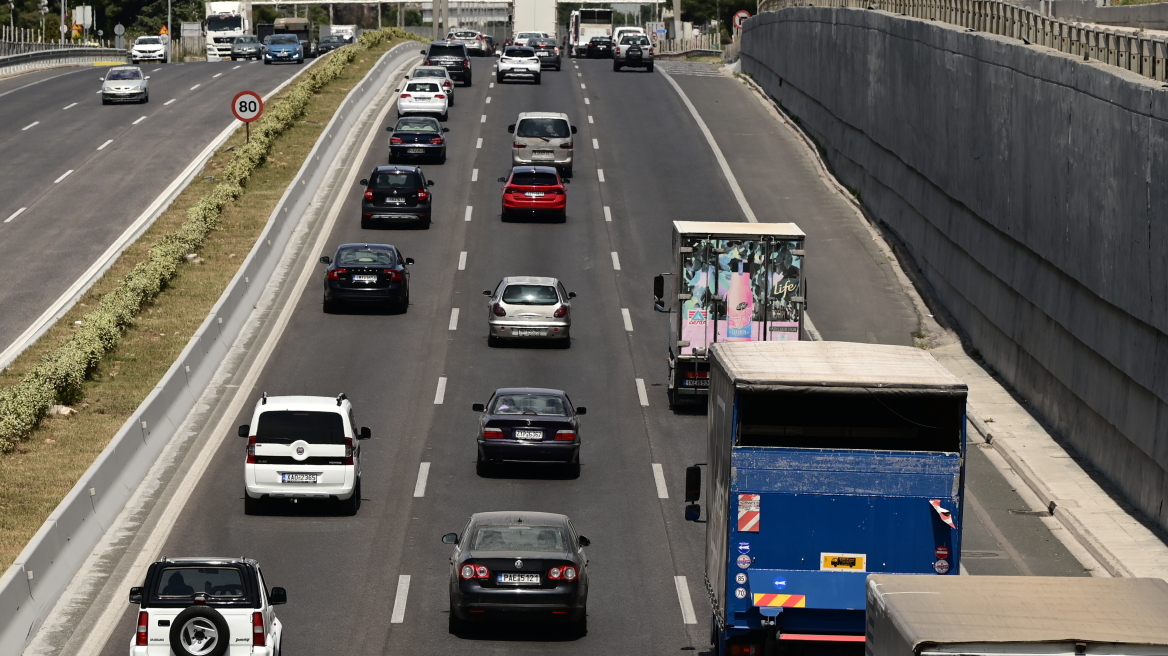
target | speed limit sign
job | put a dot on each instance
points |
(247, 106)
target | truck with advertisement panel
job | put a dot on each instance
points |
(534, 16)
(731, 282)
(826, 461)
(585, 24)
(225, 21)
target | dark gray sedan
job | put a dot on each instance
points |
(246, 47)
(529, 424)
(518, 565)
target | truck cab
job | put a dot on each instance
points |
(224, 22)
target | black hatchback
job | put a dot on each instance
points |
(529, 424)
(367, 273)
(397, 195)
(417, 137)
(451, 55)
(600, 47)
(519, 565)
(548, 52)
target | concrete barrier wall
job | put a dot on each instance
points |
(31, 61)
(1031, 188)
(1149, 17)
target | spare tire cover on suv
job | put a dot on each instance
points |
(199, 631)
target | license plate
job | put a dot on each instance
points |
(415, 151)
(517, 578)
(364, 278)
(542, 154)
(394, 216)
(394, 201)
(695, 382)
(528, 332)
(298, 478)
(541, 54)
(421, 97)
(528, 434)
(533, 194)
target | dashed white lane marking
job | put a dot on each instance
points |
(590, 119)
(579, 75)
(575, 66)
(440, 395)
(595, 145)
(628, 319)
(615, 261)
(34, 123)
(423, 474)
(469, 208)
(216, 75)
(169, 101)
(483, 119)
(687, 610)
(474, 175)
(16, 214)
(600, 174)
(479, 143)
(139, 121)
(63, 176)
(399, 601)
(70, 105)
(491, 85)
(107, 142)
(488, 100)
(607, 214)
(582, 86)
(160, 68)
(235, 67)
(659, 479)
(642, 396)
(453, 319)
(196, 86)
(462, 261)
(587, 102)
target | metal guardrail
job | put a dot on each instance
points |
(27, 61)
(1142, 55)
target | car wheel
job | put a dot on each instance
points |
(444, 116)
(232, 58)
(649, 68)
(330, 306)
(565, 341)
(145, 99)
(567, 172)
(300, 61)
(615, 66)
(537, 78)
(451, 96)
(468, 81)
(482, 468)
(580, 626)
(442, 159)
(105, 101)
(456, 625)
(426, 225)
(558, 66)
(252, 506)
(564, 216)
(352, 504)
(366, 224)
(267, 62)
(201, 621)
(134, 62)
(494, 342)
(573, 470)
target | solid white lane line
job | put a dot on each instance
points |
(628, 319)
(420, 486)
(453, 319)
(462, 261)
(479, 143)
(138, 121)
(587, 102)
(483, 119)
(235, 67)
(659, 479)
(63, 176)
(642, 396)
(399, 601)
(68, 106)
(440, 395)
(717, 152)
(607, 214)
(218, 74)
(600, 174)
(34, 123)
(196, 86)
(169, 101)
(488, 100)
(615, 261)
(469, 208)
(590, 119)
(16, 214)
(474, 175)
(687, 609)
(107, 142)
(595, 145)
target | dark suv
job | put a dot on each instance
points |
(396, 194)
(452, 56)
(547, 51)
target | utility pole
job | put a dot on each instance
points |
(677, 25)
(63, 11)
(445, 18)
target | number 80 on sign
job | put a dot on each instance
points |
(247, 106)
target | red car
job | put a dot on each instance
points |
(534, 191)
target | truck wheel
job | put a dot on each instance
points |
(199, 631)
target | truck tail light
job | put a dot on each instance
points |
(251, 441)
(498, 310)
(492, 433)
(561, 312)
(470, 572)
(565, 435)
(259, 636)
(337, 274)
(745, 650)
(348, 450)
(141, 638)
(697, 374)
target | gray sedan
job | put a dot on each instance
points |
(124, 84)
(246, 47)
(529, 307)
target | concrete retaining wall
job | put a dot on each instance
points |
(1030, 187)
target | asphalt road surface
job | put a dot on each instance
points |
(77, 173)
(343, 573)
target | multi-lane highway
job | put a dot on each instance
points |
(641, 162)
(78, 173)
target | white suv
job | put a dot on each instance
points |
(543, 139)
(205, 606)
(148, 48)
(302, 447)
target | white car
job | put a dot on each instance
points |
(622, 32)
(473, 41)
(147, 48)
(203, 606)
(423, 97)
(522, 37)
(519, 62)
(302, 447)
(426, 73)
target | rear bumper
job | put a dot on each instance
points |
(428, 150)
(563, 158)
(421, 108)
(549, 61)
(395, 292)
(506, 330)
(519, 73)
(560, 204)
(513, 451)
(564, 599)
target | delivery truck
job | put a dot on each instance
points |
(1032, 615)
(728, 282)
(534, 16)
(584, 24)
(825, 462)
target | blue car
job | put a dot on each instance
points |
(283, 48)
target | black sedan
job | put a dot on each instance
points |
(397, 194)
(521, 565)
(367, 273)
(417, 137)
(529, 424)
(600, 47)
(332, 42)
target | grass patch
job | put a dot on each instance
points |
(40, 471)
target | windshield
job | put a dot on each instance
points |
(224, 23)
(334, 39)
(148, 41)
(530, 295)
(246, 39)
(551, 128)
(376, 256)
(187, 581)
(416, 125)
(535, 179)
(288, 426)
(634, 40)
(281, 39)
(529, 404)
(519, 538)
(446, 51)
(124, 74)
(519, 52)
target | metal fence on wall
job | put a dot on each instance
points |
(19, 40)
(1139, 54)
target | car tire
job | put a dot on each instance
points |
(468, 82)
(105, 101)
(252, 506)
(194, 617)
(615, 66)
(483, 467)
(233, 59)
(580, 626)
(426, 225)
(455, 625)
(134, 62)
(300, 61)
(267, 62)
(351, 505)
(572, 470)
(649, 68)
(442, 159)
(444, 116)
(567, 172)
(330, 307)
(565, 341)
(145, 99)
(494, 342)
(563, 218)
(537, 78)
(366, 224)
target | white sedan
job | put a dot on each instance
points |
(148, 48)
(519, 62)
(422, 98)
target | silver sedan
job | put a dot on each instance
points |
(529, 307)
(125, 83)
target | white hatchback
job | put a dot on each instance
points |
(437, 74)
(519, 62)
(302, 447)
(423, 97)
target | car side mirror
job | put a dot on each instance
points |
(101, 78)
(511, 128)
(446, 129)
(693, 484)
(397, 90)
(478, 407)
(389, 128)
(326, 260)
(136, 595)
(486, 292)
(422, 52)
(429, 183)
(574, 130)
(244, 430)
(583, 541)
(450, 538)
(365, 433)
(571, 294)
(693, 512)
(278, 596)
(364, 182)
(409, 260)
(581, 410)
(504, 180)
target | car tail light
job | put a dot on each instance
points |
(466, 63)
(141, 639)
(745, 650)
(565, 573)
(427, 62)
(518, 144)
(404, 95)
(569, 573)
(439, 95)
(566, 435)
(368, 194)
(498, 310)
(393, 275)
(566, 145)
(492, 433)
(348, 450)
(251, 441)
(556, 50)
(436, 140)
(561, 312)
(448, 84)
(423, 194)
(258, 634)
(394, 140)
(470, 572)
(337, 274)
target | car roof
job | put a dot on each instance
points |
(529, 280)
(126, 68)
(523, 115)
(512, 517)
(431, 68)
(533, 169)
(207, 560)
(396, 167)
(427, 119)
(530, 390)
(316, 403)
(447, 42)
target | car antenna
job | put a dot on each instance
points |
(265, 400)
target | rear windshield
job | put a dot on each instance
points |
(430, 72)
(535, 179)
(519, 538)
(288, 426)
(334, 39)
(529, 404)
(543, 42)
(424, 87)
(124, 74)
(599, 39)
(446, 51)
(519, 52)
(183, 582)
(367, 257)
(552, 128)
(392, 180)
(416, 125)
(530, 295)
(636, 40)
(529, 35)
(466, 35)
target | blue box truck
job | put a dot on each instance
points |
(826, 461)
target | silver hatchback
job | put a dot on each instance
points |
(543, 139)
(529, 307)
